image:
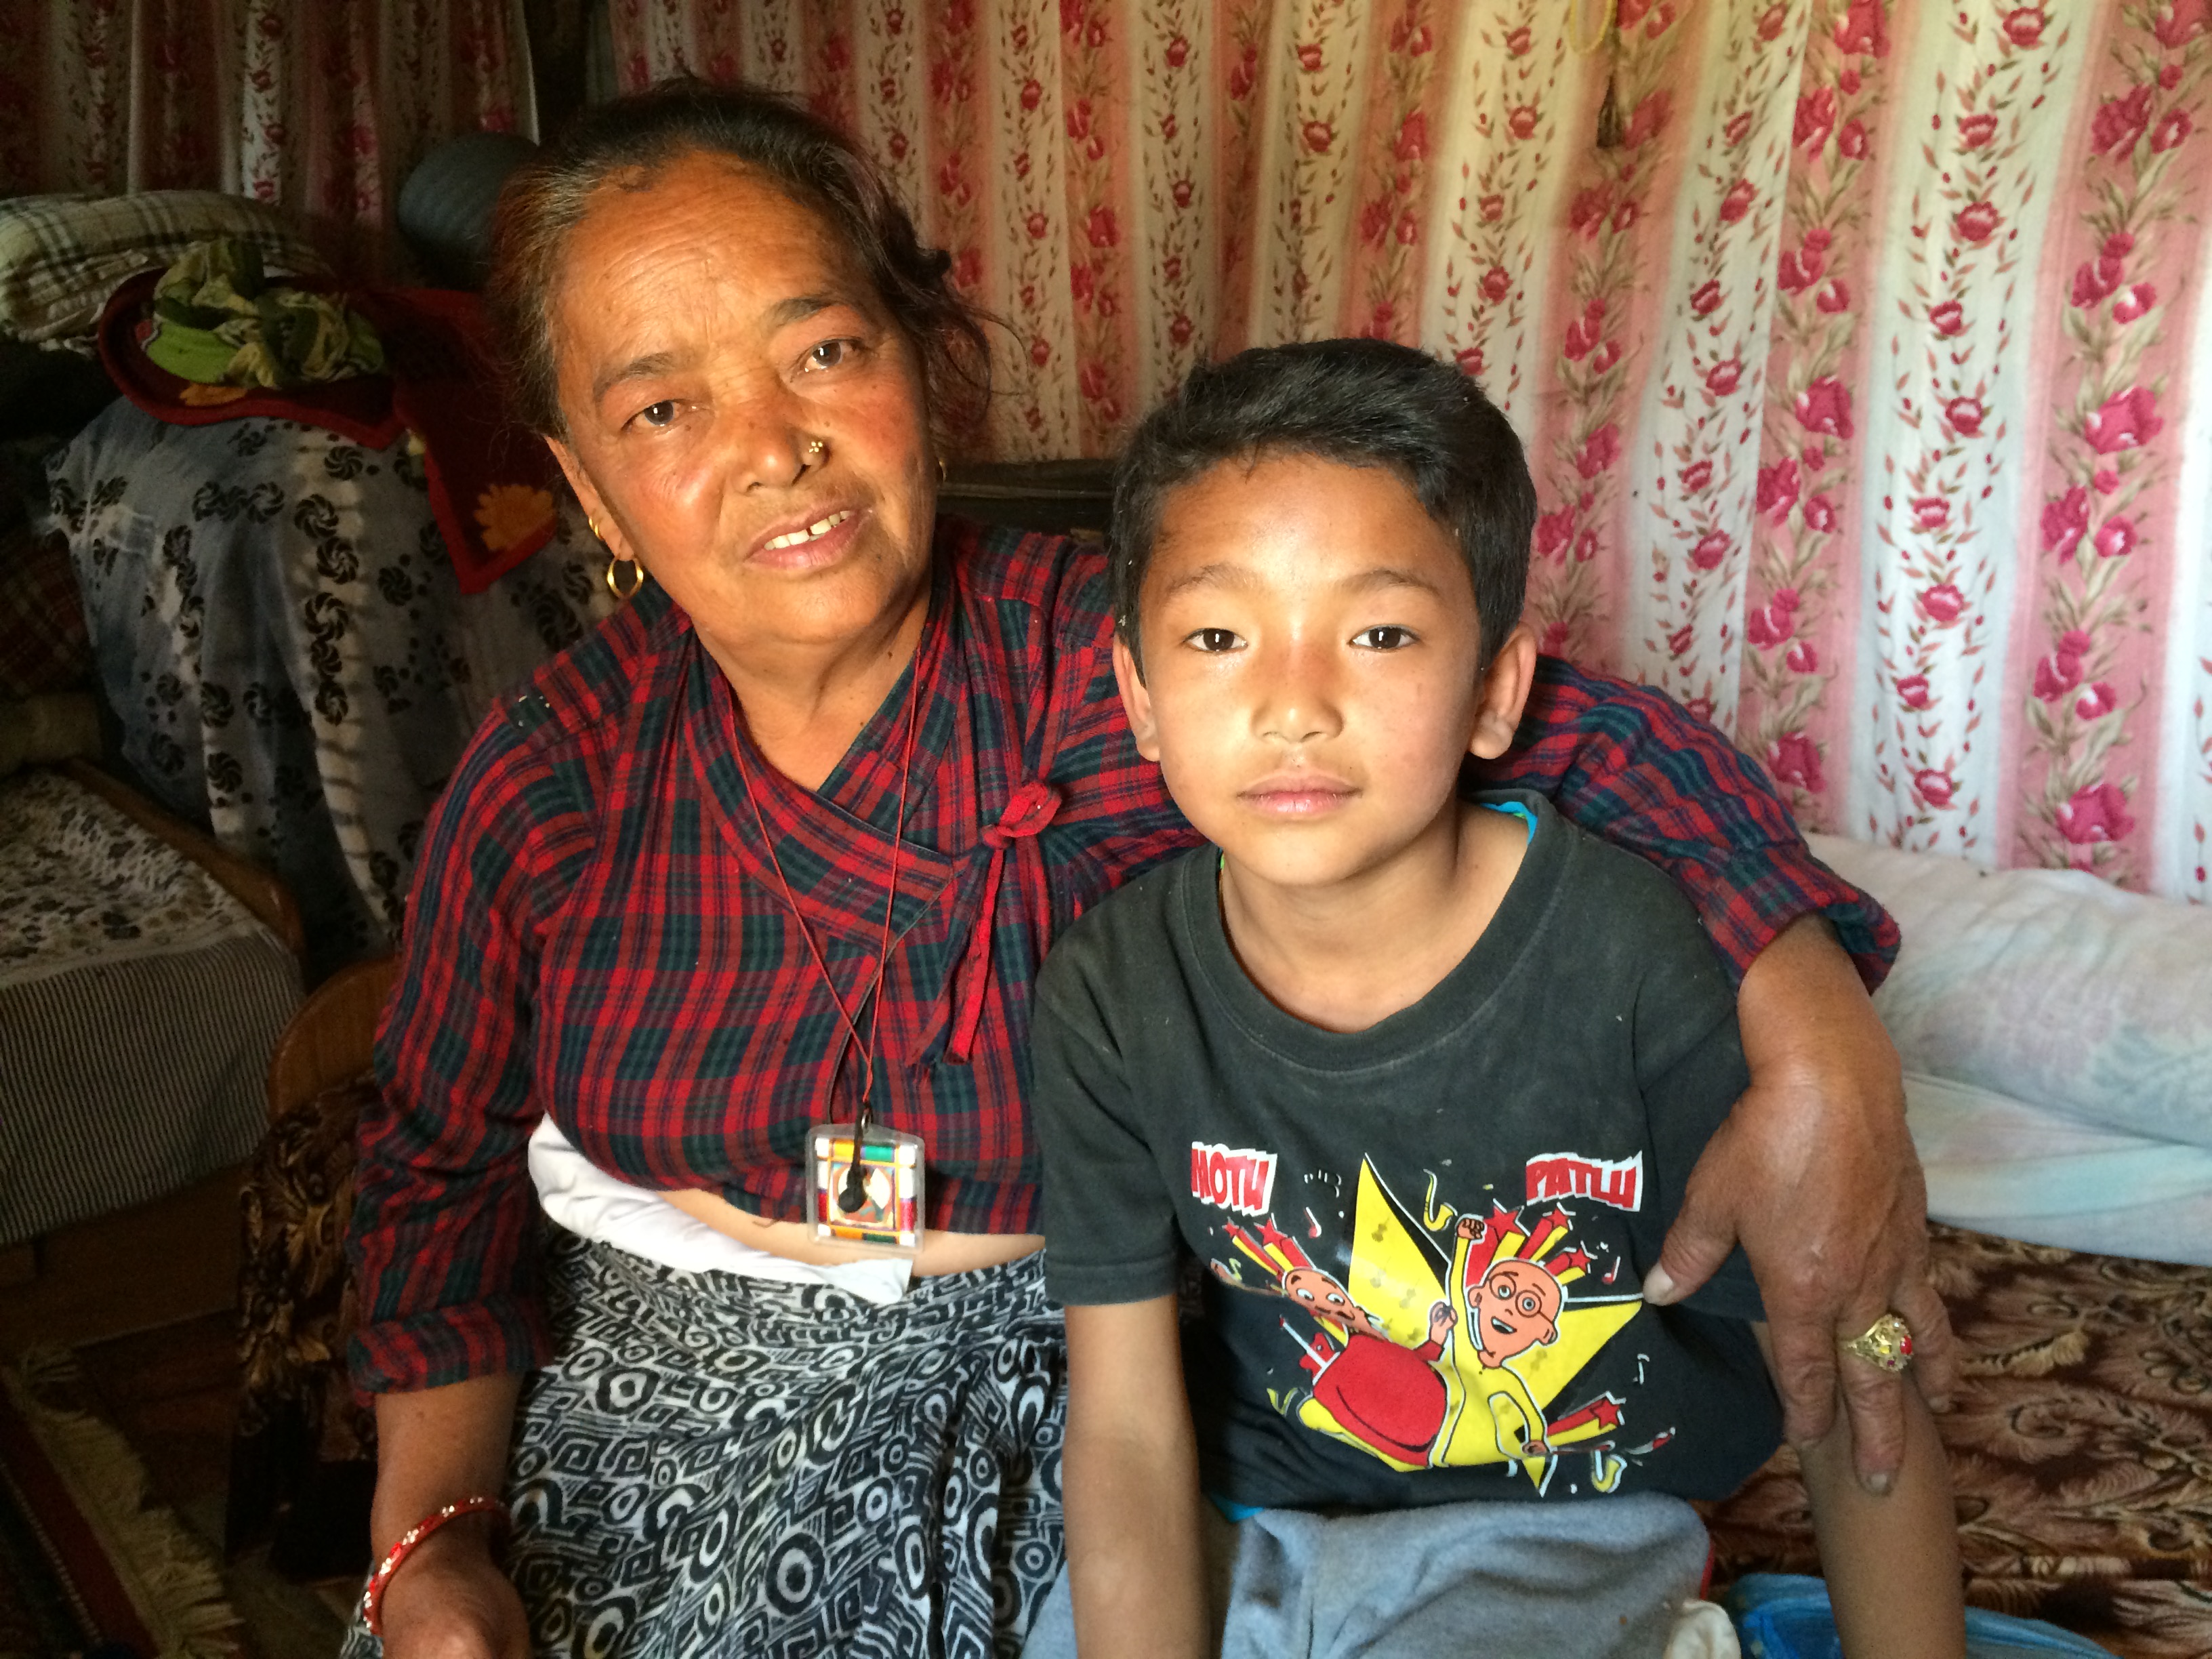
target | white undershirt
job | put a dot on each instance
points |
(579, 1195)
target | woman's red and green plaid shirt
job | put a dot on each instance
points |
(597, 931)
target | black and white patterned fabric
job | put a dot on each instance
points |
(82, 884)
(277, 624)
(723, 1465)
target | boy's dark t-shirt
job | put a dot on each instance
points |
(1511, 1149)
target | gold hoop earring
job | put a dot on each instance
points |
(942, 475)
(594, 525)
(624, 596)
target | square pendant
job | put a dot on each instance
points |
(866, 1191)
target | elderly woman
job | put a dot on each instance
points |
(786, 838)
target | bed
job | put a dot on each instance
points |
(296, 623)
(140, 995)
(270, 614)
(2057, 1038)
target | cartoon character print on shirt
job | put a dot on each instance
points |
(1385, 1397)
(1452, 1339)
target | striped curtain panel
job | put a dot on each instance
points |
(322, 109)
(1862, 368)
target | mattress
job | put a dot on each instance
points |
(2080, 1446)
(2057, 1038)
(139, 1004)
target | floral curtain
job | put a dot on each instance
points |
(322, 109)
(1865, 376)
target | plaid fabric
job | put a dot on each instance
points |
(1629, 763)
(43, 643)
(597, 932)
(61, 256)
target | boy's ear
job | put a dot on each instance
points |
(1136, 701)
(1504, 690)
(595, 509)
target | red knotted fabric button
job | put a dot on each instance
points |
(1028, 810)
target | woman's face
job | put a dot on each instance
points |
(709, 330)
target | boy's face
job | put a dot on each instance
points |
(1311, 648)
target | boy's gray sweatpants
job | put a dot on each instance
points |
(1602, 1578)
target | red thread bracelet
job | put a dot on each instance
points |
(372, 1597)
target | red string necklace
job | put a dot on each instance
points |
(875, 992)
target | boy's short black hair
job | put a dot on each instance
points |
(1364, 402)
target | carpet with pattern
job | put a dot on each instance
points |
(87, 1567)
(2081, 1448)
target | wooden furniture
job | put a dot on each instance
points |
(154, 1264)
(302, 1465)
(329, 1039)
(174, 1257)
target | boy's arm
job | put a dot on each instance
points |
(1129, 1471)
(1892, 1563)
(1135, 1560)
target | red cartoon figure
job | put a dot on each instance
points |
(1387, 1398)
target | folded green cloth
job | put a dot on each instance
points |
(217, 321)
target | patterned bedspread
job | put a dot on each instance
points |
(139, 1004)
(2081, 1446)
(277, 624)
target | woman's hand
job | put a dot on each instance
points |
(434, 1447)
(451, 1601)
(1815, 1173)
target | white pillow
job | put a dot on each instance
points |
(2048, 987)
(2003, 1166)
(61, 257)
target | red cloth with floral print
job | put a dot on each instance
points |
(596, 930)
(492, 485)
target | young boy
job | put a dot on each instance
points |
(1419, 1077)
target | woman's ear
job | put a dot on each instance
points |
(1502, 695)
(596, 514)
(1136, 701)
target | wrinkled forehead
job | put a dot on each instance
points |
(698, 244)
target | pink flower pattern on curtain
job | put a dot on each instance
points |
(1866, 380)
(321, 109)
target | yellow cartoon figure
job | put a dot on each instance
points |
(1521, 1338)
(1515, 1307)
